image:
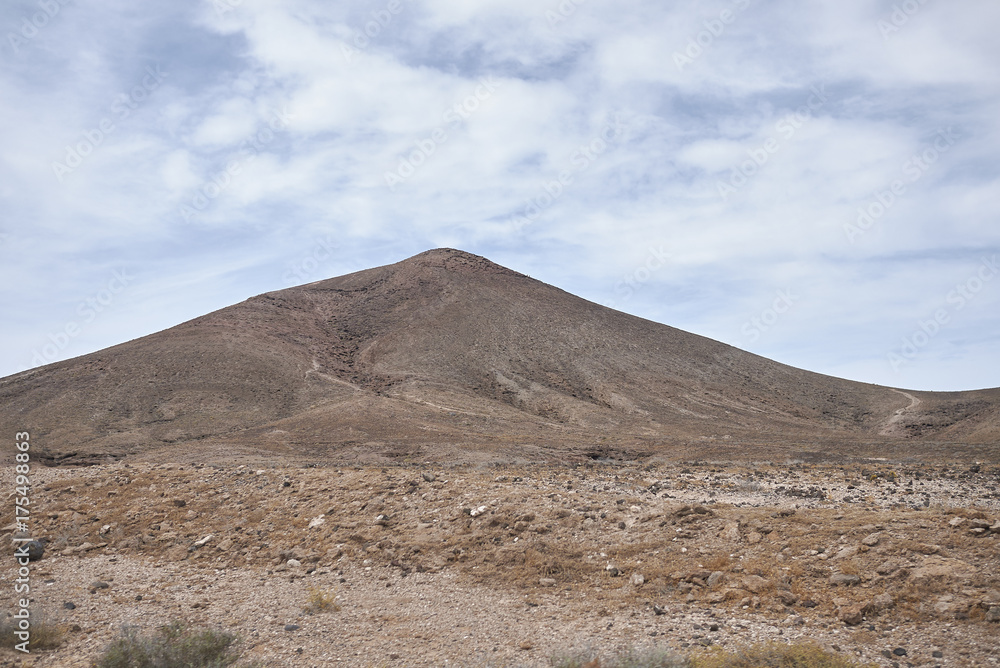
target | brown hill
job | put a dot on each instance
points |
(448, 356)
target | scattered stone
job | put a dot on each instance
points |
(317, 522)
(937, 654)
(714, 579)
(851, 615)
(612, 570)
(293, 563)
(657, 610)
(899, 651)
(956, 522)
(993, 614)
(428, 477)
(880, 603)
(547, 582)
(201, 543)
(292, 627)
(476, 512)
(754, 537)
(638, 579)
(99, 584)
(180, 503)
(872, 539)
(787, 598)
(844, 579)
(755, 584)
(69, 605)
(731, 532)
(35, 549)
(887, 567)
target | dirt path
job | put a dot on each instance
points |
(897, 417)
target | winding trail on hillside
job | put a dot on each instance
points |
(898, 415)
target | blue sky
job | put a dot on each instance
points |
(818, 183)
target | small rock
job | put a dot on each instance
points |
(35, 549)
(99, 585)
(638, 579)
(292, 627)
(937, 654)
(887, 567)
(657, 610)
(714, 579)
(612, 570)
(754, 537)
(899, 651)
(844, 579)
(317, 522)
(428, 477)
(68, 605)
(547, 582)
(851, 615)
(476, 512)
(880, 603)
(993, 614)
(872, 539)
(956, 522)
(293, 563)
(202, 542)
(787, 598)
(180, 503)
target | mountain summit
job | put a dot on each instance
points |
(448, 356)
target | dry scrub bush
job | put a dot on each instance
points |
(775, 655)
(630, 658)
(173, 646)
(320, 600)
(42, 634)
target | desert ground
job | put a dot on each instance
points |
(892, 564)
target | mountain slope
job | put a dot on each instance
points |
(448, 355)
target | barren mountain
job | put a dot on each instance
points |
(448, 356)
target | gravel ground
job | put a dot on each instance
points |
(428, 586)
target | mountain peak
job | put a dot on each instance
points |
(453, 259)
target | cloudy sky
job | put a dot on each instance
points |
(817, 182)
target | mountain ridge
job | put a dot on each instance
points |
(449, 355)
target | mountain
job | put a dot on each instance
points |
(447, 356)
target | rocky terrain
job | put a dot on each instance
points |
(430, 565)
